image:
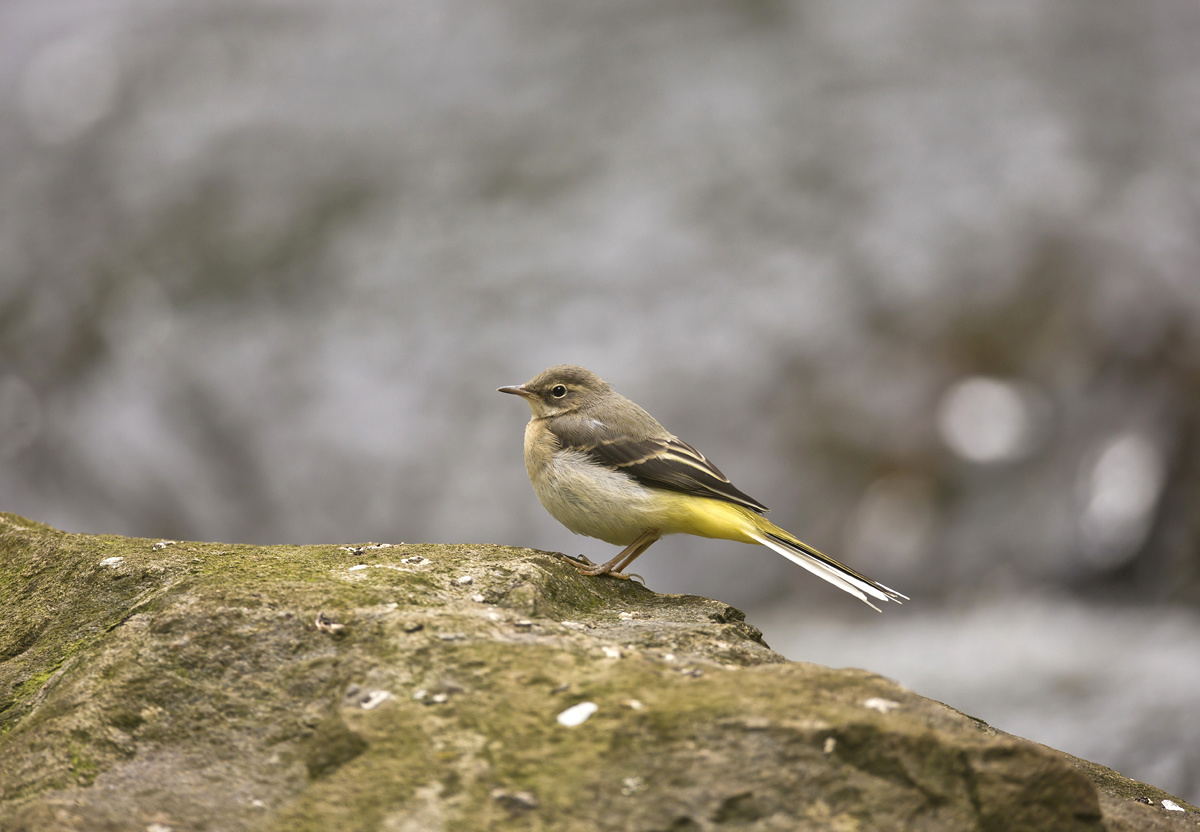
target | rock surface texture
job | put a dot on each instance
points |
(153, 685)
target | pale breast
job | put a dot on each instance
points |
(592, 499)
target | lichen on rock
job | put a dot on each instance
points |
(202, 686)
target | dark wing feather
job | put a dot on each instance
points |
(659, 462)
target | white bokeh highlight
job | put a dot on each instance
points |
(1121, 490)
(986, 420)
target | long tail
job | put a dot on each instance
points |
(823, 566)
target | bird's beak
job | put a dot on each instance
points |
(518, 390)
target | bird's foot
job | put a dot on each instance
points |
(585, 567)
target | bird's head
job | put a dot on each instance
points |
(560, 389)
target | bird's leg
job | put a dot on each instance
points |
(636, 553)
(625, 557)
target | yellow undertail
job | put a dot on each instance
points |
(705, 517)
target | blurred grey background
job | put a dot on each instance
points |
(924, 278)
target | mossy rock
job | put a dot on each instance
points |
(197, 686)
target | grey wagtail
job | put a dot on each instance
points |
(605, 468)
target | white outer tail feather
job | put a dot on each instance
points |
(847, 583)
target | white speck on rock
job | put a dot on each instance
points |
(112, 563)
(881, 705)
(357, 568)
(465, 580)
(323, 623)
(477, 598)
(611, 652)
(632, 785)
(1172, 806)
(372, 699)
(625, 616)
(162, 544)
(516, 800)
(577, 714)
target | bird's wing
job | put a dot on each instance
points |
(658, 462)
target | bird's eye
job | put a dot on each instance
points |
(558, 391)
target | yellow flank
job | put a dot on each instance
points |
(705, 517)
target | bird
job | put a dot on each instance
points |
(605, 468)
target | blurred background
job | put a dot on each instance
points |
(923, 278)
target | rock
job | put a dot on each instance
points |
(205, 686)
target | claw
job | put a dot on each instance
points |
(585, 567)
(621, 561)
